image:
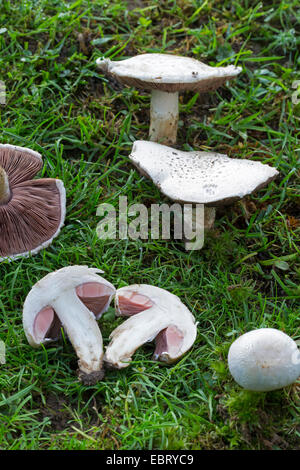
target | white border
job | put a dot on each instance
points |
(22, 149)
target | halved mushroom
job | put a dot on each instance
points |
(154, 314)
(205, 178)
(264, 359)
(32, 212)
(166, 75)
(73, 298)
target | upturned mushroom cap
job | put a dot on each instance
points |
(154, 314)
(33, 211)
(199, 177)
(263, 360)
(73, 298)
(166, 72)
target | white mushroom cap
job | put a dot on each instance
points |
(166, 75)
(168, 72)
(199, 177)
(72, 298)
(264, 359)
(154, 314)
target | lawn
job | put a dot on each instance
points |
(245, 277)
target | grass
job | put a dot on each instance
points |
(245, 277)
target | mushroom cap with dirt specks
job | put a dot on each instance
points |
(264, 359)
(199, 177)
(35, 210)
(167, 72)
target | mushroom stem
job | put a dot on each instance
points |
(163, 117)
(193, 225)
(103, 64)
(4, 187)
(133, 333)
(83, 333)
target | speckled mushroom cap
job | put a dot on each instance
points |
(35, 210)
(199, 177)
(168, 72)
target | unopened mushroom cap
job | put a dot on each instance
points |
(168, 72)
(35, 212)
(264, 359)
(199, 177)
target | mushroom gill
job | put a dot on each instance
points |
(154, 313)
(32, 211)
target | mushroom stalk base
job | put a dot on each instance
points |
(198, 225)
(163, 117)
(4, 187)
(84, 334)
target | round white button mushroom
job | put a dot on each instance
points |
(156, 314)
(264, 359)
(72, 298)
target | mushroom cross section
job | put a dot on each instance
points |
(73, 298)
(264, 359)
(165, 75)
(32, 211)
(156, 314)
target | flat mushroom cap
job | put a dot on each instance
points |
(35, 211)
(40, 321)
(264, 359)
(166, 72)
(199, 177)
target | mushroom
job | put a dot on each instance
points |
(264, 359)
(73, 297)
(32, 212)
(205, 178)
(154, 313)
(165, 75)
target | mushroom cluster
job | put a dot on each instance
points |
(32, 211)
(204, 178)
(75, 297)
